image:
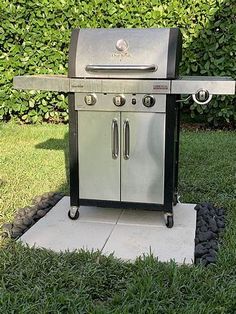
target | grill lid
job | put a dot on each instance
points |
(125, 53)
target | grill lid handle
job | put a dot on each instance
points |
(131, 68)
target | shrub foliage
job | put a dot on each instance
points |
(35, 35)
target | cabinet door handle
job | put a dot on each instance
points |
(126, 133)
(115, 139)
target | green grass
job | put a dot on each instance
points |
(32, 161)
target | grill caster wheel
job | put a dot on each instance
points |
(169, 220)
(73, 213)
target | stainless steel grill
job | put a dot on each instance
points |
(124, 89)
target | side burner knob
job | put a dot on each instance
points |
(202, 97)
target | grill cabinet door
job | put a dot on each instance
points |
(99, 168)
(142, 170)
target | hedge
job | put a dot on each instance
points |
(35, 35)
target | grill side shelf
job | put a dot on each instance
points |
(183, 85)
(215, 85)
(54, 83)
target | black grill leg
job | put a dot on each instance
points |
(73, 153)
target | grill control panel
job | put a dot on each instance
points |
(120, 102)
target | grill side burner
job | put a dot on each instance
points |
(124, 96)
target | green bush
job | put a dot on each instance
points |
(35, 35)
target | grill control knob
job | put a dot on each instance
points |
(90, 99)
(148, 101)
(119, 100)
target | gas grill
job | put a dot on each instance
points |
(124, 94)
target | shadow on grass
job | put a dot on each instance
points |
(63, 145)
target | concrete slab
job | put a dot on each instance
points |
(57, 232)
(87, 214)
(68, 236)
(184, 216)
(142, 217)
(126, 233)
(130, 241)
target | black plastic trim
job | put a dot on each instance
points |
(73, 151)
(119, 204)
(169, 152)
(177, 137)
(174, 53)
(72, 52)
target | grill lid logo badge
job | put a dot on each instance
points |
(122, 45)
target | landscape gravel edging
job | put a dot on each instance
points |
(26, 217)
(209, 227)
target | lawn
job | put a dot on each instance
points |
(32, 161)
